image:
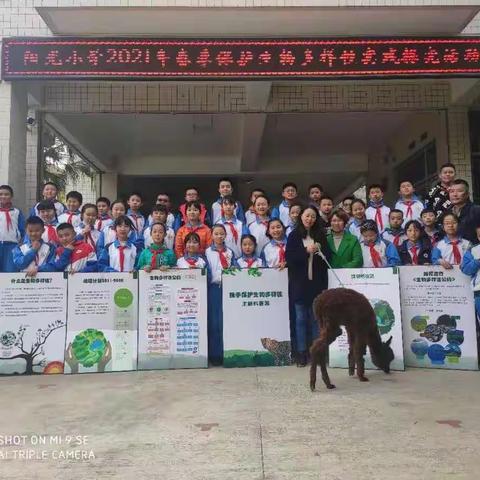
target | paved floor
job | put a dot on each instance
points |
(250, 424)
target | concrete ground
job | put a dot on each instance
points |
(242, 424)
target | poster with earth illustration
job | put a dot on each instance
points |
(381, 287)
(32, 325)
(102, 323)
(438, 315)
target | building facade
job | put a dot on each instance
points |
(166, 134)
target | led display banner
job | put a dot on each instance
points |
(142, 58)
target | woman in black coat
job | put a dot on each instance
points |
(308, 275)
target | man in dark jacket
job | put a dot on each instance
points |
(468, 213)
(437, 198)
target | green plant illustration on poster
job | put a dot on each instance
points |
(384, 314)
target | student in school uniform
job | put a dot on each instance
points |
(430, 226)
(157, 255)
(376, 252)
(104, 218)
(315, 193)
(289, 194)
(377, 210)
(248, 258)
(234, 227)
(195, 225)
(410, 205)
(416, 249)
(345, 248)
(273, 252)
(471, 266)
(294, 214)
(34, 255)
(450, 250)
(358, 217)
(192, 257)
(219, 257)
(86, 230)
(163, 198)
(250, 214)
(225, 188)
(191, 195)
(258, 228)
(159, 215)
(325, 211)
(135, 202)
(395, 233)
(72, 213)
(109, 233)
(46, 211)
(12, 228)
(72, 255)
(49, 193)
(121, 254)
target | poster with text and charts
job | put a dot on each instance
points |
(438, 315)
(102, 323)
(256, 325)
(381, 287)
(33, 315)
(173, 319)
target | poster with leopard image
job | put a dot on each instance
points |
(382, 289)
(256, 325)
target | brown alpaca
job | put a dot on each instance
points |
(342, 306)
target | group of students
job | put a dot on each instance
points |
(117, 237)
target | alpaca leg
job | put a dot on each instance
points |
(318, 357)
(359, 360)
(351, 355)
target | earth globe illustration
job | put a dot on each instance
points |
(419, 347)
(436, 354)
(419, 323)
(384, 313)
(89, 347)
(453, 353)
(455, 336)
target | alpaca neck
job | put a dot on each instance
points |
(375, 342)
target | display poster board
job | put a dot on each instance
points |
(438, 318)
(256, 326)
(102, 323)
(32, 327)
(173, 319)
(381, 287)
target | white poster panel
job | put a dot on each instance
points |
(32, 323)
(256, 326)
(173, 319)
(438, 315)
(381, 287)
(102, 323)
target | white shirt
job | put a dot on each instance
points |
(169, 237)
(130, 255)
(410, 214)
(70, 217)
(11, 234)
(230, 241)
(214, 264)
(259, 231)
(199, 262)
(42, 254)
(371, 214)
(271, 253)
(446, 249)
(257, 262)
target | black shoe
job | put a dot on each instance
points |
(301, 359)
(216, 362)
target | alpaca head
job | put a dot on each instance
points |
(384, 357)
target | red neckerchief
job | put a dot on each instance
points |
(135, 219)
(155, 253)
(223, 258)
(281, 253)
(232, 229)
(376, 258)
(51, 233)
(101, 219)
(378, 217)
(457, 256)
(70, 216)
(396, 239)
(8, 217)
(250, 261)
(121, 255)
(409, 204)
(414, 250)
(191, 261)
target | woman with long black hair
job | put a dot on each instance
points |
(308, 275)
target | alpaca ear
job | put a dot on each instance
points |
(389, 341)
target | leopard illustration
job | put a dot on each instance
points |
(279, 350)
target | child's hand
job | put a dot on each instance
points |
(31, 271)
(87, 229)
(281, 265)
(445, 264)
(147, 268)
(163, 268)
(70, 246)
